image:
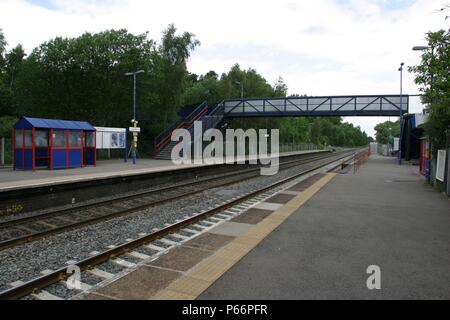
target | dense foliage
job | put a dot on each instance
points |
(433, 75)
(321, 130)
(84, 78)
(386, 131)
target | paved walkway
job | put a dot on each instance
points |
(384, 215)
(12, 179)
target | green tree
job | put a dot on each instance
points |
(83, 77)
(173, 54)
(322, 131)
(385, 132)
(13, 63)
(253, 83)
(433, 76)
(6, 123)
(294, 129)
(14, 60)
(203, 88)
(3, 45)
(6, 113)
(280, 89)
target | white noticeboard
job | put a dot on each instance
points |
(373, 147)
(396, 142)
(440, 168)
(110, 138)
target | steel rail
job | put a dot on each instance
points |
(138, 194)
(41, 282)
(76, 224)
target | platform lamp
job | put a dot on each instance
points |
(242, 89)
(401, 114)
(133, 121)
(242, 98)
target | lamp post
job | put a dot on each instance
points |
(401, 114)
(242, 89)
(391, 140)
(242, 98)
(133, 121)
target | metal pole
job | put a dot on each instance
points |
(133, 152)
(125, 155)
(134, 144)
(431, 73)
(135, 134)
(401, 115)
(134, 96)
(242, 88)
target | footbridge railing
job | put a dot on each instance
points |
(365, 105)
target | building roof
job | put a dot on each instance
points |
(40, 123)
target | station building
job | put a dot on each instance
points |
(415, 144)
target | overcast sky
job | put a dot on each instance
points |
(320, 47)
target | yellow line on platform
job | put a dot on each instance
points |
(204, 274)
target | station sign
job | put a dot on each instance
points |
(133, 129)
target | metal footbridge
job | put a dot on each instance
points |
(314, 106)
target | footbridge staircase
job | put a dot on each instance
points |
(212, 117)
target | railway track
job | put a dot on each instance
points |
(182, 230)
(22, 230)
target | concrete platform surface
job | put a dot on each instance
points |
(10, 178)
(17, 179)
(189, 268)
(383, 215)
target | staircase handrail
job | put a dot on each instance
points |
(175, 125)
(163, 138)
(210, 120)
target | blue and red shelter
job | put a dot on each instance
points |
(56, 144)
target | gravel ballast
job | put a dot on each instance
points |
(26, 261)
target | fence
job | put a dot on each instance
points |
(360, 158)
(301, 146)
(439, 171)
(446, 168)
(5, 152)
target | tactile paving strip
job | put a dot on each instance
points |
(204, 274)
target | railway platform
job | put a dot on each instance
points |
(384, 215)
(19, 179)
(313, 240)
